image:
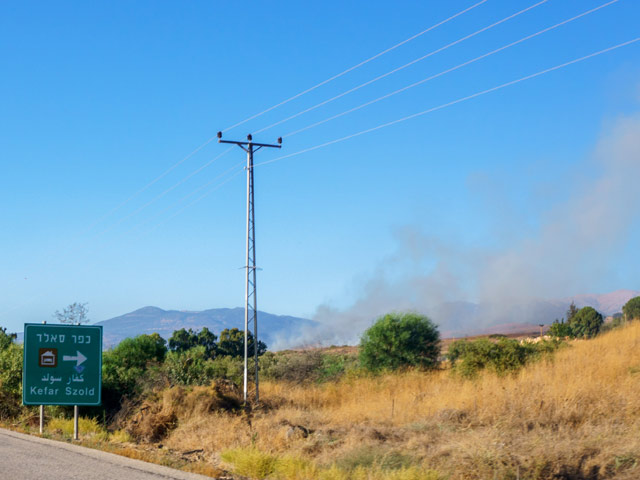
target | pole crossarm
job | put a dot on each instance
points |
(242, 144)
(250, 297)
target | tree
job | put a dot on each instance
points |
(560, 329)
(207, 339)
(183, 340)
(75, 314)
(631, 309)
(232, 343)
(400, 340)
(586, 323)
(6, 339)
(571, 312)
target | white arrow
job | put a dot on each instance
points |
(79, 358)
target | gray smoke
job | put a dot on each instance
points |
(578, 241)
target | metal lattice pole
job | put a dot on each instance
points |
(251, 302)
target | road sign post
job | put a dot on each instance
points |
(62, 365)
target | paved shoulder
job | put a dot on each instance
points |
(25, 457)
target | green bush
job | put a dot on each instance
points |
(188, 367)
(125, 366)
(295, 367)
(226, 367)
(586, 323)
(400, 340)
(10, 380)
(306, 366)
(631, 309)
(560, 329)
(504, 356)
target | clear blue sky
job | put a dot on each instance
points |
(98, 99)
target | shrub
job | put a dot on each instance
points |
(400, 340)
(10, 380)
(631, 309)
(586, 323)
(295, 367)
(227, 368)
(505, 356)
(124, 366)
(560, 329)
(188, 367)
(250, 462)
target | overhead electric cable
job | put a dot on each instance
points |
(454, 102)
(354, 67)
(162, 194)
(432, 77)
(209, 192)
(151, 183)
(402, 67)
(208, 141)
(191, 194)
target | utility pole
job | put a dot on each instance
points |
(250, 300)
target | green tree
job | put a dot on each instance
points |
(572, 311)
(400, 340)
(560, 329)
(232, 343)
(6, 339)
(631, 309)
(207, 339)
(183, 340)
(586, 323)
(75, 314)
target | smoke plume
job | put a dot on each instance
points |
(462, 288)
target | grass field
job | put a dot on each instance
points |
(574, 416)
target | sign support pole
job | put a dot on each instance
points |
(75, 422)
(42, 406)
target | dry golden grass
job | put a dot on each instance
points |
(576, 416)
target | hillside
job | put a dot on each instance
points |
(164, 322)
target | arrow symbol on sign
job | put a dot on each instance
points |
(78, 358)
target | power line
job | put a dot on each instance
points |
(158, 197)
(402, 67)
(324, 82)
(151, 183)
(528, 37)
(358, 65)
(191, 194)
(445, 105)
(378, 78)
(432, 77)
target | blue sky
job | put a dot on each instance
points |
(98, 100)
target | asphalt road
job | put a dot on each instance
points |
(25, 457)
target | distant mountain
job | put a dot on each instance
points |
(164, 322)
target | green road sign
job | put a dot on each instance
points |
(62, 365)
